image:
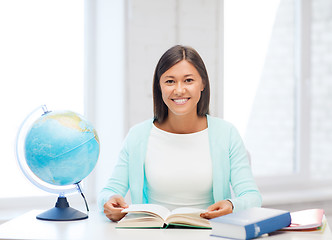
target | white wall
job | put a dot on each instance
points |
(104, 76)
(153, 26)
(321, 128)
(126, 39)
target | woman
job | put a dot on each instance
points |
(183, 156)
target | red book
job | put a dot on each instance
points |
(310, 219)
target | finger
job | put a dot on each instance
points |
(214, 214)
(121, 203)
(213, 207)
(110, 205)
(116, 210)
(114, 206)
(109, 208)
(118, 201)
(114, 214)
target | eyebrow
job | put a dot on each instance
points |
(187, 75)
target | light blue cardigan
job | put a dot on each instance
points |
(229, 160)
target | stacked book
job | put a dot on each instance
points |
(254, 222)
(250, 223)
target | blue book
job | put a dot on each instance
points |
(250, 223)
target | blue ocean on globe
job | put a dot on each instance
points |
(61, 148)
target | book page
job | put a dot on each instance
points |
(153, 209)
(188, 211)
(140, 220)
(188, 216)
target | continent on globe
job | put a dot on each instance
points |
(61, 148)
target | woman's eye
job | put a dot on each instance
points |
(189, 80)
(169, 81)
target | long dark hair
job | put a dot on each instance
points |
(171, 57)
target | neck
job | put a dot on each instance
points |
(183, 124)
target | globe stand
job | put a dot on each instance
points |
(76, 141)
(62, 212)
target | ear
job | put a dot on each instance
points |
(203, 86)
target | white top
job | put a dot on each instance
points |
(178, 169)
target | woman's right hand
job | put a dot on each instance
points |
(113, 208)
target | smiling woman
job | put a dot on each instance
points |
(191, 70)
(189, 144)
(181, 88)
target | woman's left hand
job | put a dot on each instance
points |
(218, 209)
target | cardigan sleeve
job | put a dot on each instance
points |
(118, 183)
(128, 173)
(243, 184)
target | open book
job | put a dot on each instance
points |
(156, 216)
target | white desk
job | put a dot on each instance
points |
(99, 227)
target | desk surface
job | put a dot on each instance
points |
(97, 226)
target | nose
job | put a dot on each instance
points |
(179, 89)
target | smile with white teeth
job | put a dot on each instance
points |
(181, 100)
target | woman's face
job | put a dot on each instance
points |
(181, 87)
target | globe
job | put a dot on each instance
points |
(61, 148)
(56, 151)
